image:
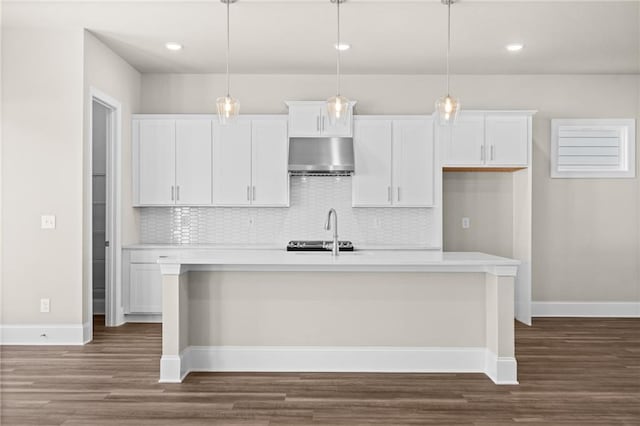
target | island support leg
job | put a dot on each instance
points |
(500, 362)
(174, 324)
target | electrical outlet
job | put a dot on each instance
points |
(376, 223)
(47, 221)
(466, 223)
(45, 305)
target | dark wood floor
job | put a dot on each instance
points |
(571, 371)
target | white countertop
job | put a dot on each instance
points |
(182, 247)
(358, 261)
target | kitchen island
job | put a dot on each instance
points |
(366, 311)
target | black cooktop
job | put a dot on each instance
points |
(318, 245)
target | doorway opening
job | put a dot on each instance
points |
(103, 214)
(101, 116)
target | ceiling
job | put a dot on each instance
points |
(387, 37)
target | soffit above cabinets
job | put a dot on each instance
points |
(387, 36)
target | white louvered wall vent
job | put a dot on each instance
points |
(598, 148)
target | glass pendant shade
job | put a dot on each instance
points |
(337, 109)
(447, 109)
(228, 109)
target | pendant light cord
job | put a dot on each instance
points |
(448, 39)
(228, 55)
(338, 51)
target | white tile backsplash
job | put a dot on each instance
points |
(311, 198)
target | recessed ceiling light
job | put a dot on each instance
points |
(514, 47)
(342, 46)
(173, 46)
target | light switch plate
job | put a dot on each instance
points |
(466, 223)
(45, 305)
(47, 221)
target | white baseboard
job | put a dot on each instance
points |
(146, 318)
(172, 369)
(43, 334)
(337, 359)
(502, 370)
(586, 309)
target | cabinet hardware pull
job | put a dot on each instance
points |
(398, 194)
(172, 196)
(318, 123)
(492, 151)
(388, 193)
(178, 193)
(482, 153)
(248, 193)
(253, 193)
(322, 124)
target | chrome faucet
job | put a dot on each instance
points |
(335, 249)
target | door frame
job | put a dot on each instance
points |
(113, 275)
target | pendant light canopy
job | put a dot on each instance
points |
(228, 107)
(337, 106)
(448, 107)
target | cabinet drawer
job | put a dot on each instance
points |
(150, 256)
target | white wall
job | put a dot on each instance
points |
(41, 174)
(44, 135)
(110, 74)
(586, 232)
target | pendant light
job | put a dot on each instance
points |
(448, 107)
(338, 106)
(228, 107)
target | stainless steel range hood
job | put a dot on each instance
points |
(322, 156)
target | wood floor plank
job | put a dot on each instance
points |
(571, 372)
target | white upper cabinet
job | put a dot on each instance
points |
(372, 140)
(304, 120)
(193, 162)
(172, 161)
(250, 163)
(232, 164)
(507, 139)
(413, 162)
(463, 143)
(269, 162)
(395, 162)
(155, 148)
(310, 119)
(487, 139)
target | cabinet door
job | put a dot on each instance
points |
(145, 288)
(156, 162)
(269, 159)
(232, 164)
(344, 129)
(463, 143)
(507, 140)
(193, 162)
(372, 150)
(304, 120)
(413, 162)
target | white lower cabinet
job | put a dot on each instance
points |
(142, 281)
(145, 288)
(395, 162)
